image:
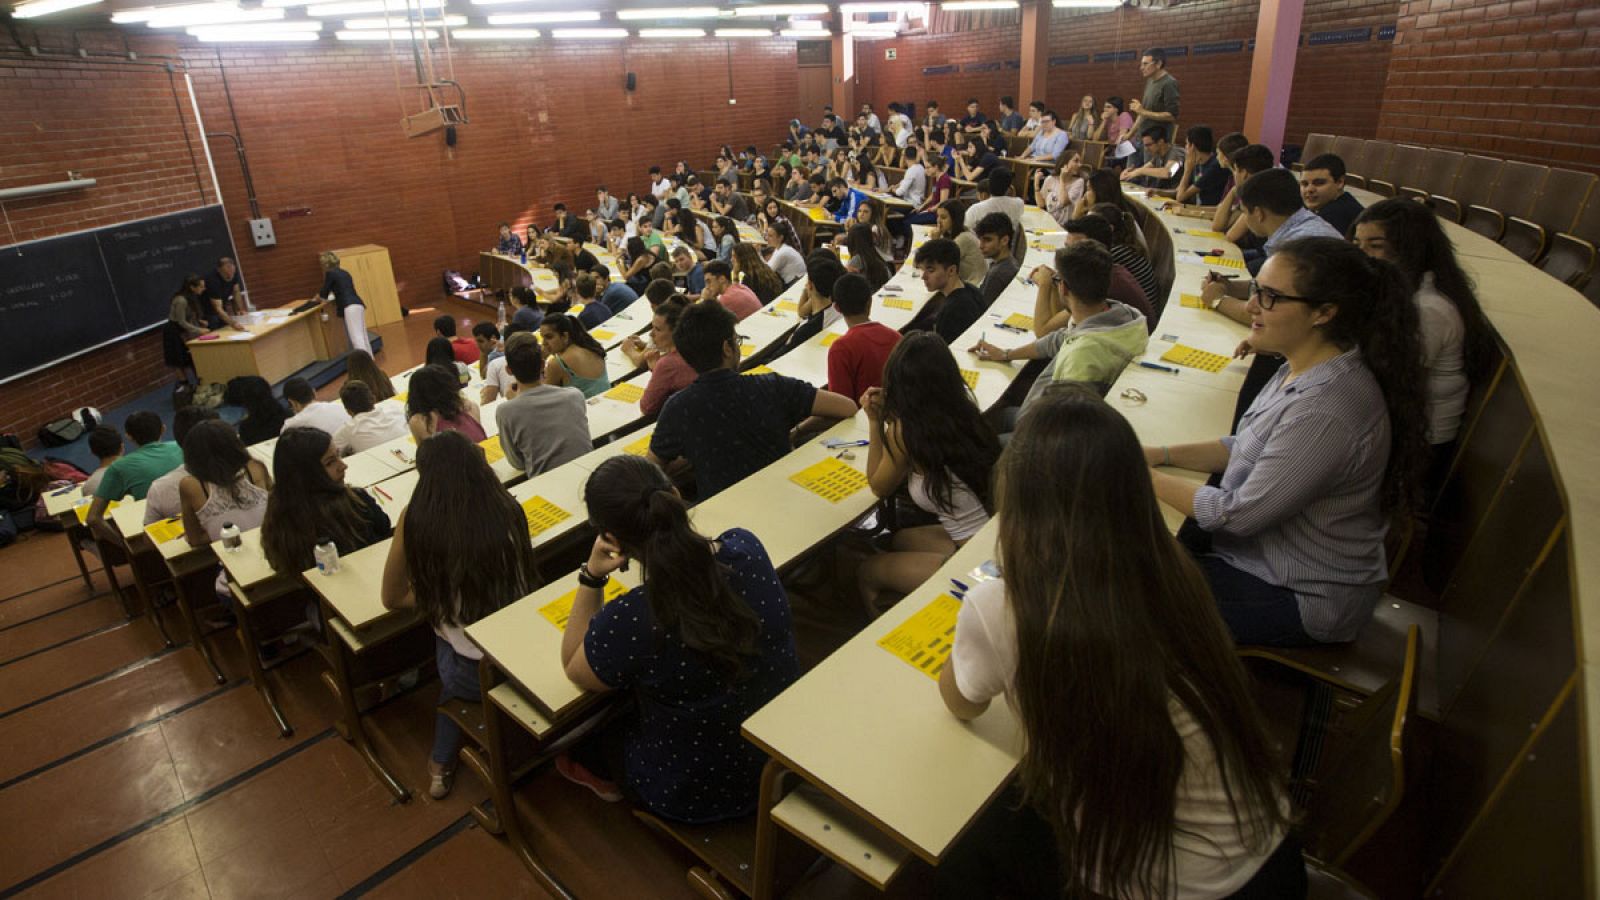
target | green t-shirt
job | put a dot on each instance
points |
(131, 475)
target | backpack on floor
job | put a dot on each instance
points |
(209, 395)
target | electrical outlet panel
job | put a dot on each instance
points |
(261, 232)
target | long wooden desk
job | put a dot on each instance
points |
(276, 345)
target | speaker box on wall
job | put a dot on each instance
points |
(449, 135)
(633, 81)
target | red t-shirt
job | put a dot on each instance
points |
(741, 301)
(1125, 289)
(465, 349)
(670, 376)
(856, 359)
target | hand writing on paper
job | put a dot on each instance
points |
(987, 351)
(605, 556)
(1212, 289)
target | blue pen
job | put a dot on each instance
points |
(1158, 367)
(958, 584)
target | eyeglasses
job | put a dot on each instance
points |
(1267, 298)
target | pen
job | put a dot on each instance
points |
(383, 493)
(1158, 367)
(66, 490)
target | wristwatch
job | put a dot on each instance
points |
(591, 581)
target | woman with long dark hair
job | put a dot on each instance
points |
(185, 321)
(783, 244)
(225, 484)
(703, 642)
(638, 258)
(1102, 617)
(928, 434)
(753, 272)
(1456, 341)
(1332, 447)
(310, 502)
(438, 352)
(1128, 252)
(468, 556)
(360, 366)
(263, 414)
(865, 260)
(950, 222)
(726, 234)
(1103, 187)
(434, 403)
(573, 357)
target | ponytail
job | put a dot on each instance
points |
(1376, 315)
(569, 327)
(689, 596)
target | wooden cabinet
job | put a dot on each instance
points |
(369, 268)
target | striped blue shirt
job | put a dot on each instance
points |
(1299, 505)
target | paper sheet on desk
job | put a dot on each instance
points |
(1195, 358)
(639, 447)
(830, 479)
(165, 530)
(925, 639)
(601, 335)
(1205, 233)
(82, 509)
(786, 306)
(971, 377)
(559, 610)
(1191, 301)
(1018, 320)
(627, 392)
(896, 303)
(1223, 261)
(542, 514)
(492, 451)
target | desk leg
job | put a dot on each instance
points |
(184, 585)
(502, 782)
(71, 521)
(148, 592)
(258, 673)
(773, 788)
(351, 728)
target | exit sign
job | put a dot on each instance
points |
(890, 53)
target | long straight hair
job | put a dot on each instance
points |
(943, 431)
(361, 367)
(569, 327)
(260, 407)
(632, 500)
(1376, 316)
(864, 251)
(1114, 621)
(466, 540)
(1420, 247)
(306, 505)
(213, 453)
(755, 273)
(435, 388)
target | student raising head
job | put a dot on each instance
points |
(927, 433)
(715, 619)
(434, 403)
(1178, 792)
(310, 502)
(468, 556)
(574, 357)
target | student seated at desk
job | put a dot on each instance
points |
(1125, 288)
(306, 411)
(785, 258)
(525, 306)
(498, 380)
(1101, 336)
(132, 475)
(438, 353)
(927, 434)
(1330, 449)
(574, 357)
(815, 307)
(162, 501)
(616, 296)
(310, 502)
(360, 366)
(1180, 793)
(1250, 160)
(856, 359)
(587, 288)
(865, 258)
(1204, 180)
(370, 423)
(950, 223)
(752, 272)
(729, 426)
(434, 403)
(721, 287)
(1057, 193)
(487, 337)
(1322, 189)
(509, 244)
(952, 305)
(994, 242)
(638, 258)
(462, 348)
(668, 371)
(225, 485)
(687, 274)
(105, 443)
(1127, 250)
(1456, 339)
(726, 234)
(702, 643)
(468, 556)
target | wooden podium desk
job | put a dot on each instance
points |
(499, 272)
(280, 344)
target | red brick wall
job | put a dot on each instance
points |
(1336, 87)
(321, 125)
(116, 124)
(1510, 79)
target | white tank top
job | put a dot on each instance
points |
(965, 518)
(244, 506)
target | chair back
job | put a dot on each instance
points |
(1587, 225)
(1362, 781)
(1476, 180)
(1376, 162)
(1405, 168)
(1158, 241)
(1437, 173)
(1517, 187)
(1350, 150)
(1571, 260)
(1560, 199)
(1316, 145)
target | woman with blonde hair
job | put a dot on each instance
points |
(341, 289)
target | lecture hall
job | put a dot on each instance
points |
(773, 449)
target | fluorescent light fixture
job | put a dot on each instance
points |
(396, 36)
(975, 5)
(1085, 4)
(804, 33)
(46, 7)
(672, 32)
(401, 21)
(145, 13)
(912, 9)
(744, 32)
(668, 12)
(590, 34)
(791, 9)
(545, 18)
(873, 31)
(218, 15)
(251, 36)
(284, 3)
(367, 8)
(806, 25)
(495, 34)
(296, 26)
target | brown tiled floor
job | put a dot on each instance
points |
(127, 771)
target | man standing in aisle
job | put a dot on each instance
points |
(1159, 105)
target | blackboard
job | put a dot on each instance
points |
(64, 295)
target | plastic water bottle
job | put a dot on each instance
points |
(502, 316)
(524, 255)
(230, 537)
(326, 554)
